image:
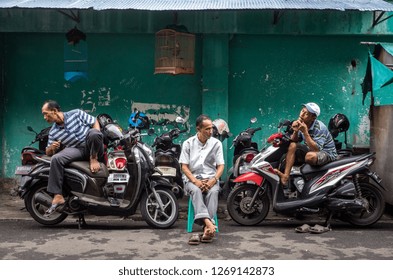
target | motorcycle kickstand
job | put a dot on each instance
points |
(328, 218)
(81, 221)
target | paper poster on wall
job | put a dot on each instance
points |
(162, 114)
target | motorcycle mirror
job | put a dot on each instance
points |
(253, 120)
(284, 123)
(180, 120)
(29, 128)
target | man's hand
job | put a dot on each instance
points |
(295, 125)
(53, 148)
(302, 126)
(207, 184)
(56, 145)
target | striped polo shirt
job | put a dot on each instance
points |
(76, 125)
(322, 137)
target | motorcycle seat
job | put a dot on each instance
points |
(307, 169)
(85, 168)
(82, 166)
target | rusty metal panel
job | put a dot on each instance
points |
(165, 5)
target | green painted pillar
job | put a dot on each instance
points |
(215, 80)
(2, 97)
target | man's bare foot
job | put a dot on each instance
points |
(283, 178)
(58, 199)
(209, 228)
(94, 165)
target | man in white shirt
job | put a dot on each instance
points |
(202, 164)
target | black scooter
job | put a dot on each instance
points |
(167, 155)
(116, 190)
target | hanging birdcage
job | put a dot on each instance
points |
(174, 52)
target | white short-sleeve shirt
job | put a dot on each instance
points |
(202, 159)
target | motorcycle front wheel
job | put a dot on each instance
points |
(239, 205)
(37, 209)
(152, 213)
(375, 210)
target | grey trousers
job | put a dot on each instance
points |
(93, 145)
(205, 204)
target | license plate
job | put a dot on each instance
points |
(166, 171)
(23, 170)
(118, 178)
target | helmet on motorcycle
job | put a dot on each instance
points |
(113, 132)
(221, 129)
(139, 120)
(104, 119)
(338, 123)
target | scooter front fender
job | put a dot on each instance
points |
(249, 176)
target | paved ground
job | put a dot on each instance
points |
(116, 238)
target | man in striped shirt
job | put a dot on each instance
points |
(75, 135)
(319, 147)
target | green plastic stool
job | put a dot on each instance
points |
(190, 217)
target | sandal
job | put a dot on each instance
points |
(303, 229)
(319, 229)
(207, 238)
(53, 208)
(195, 239)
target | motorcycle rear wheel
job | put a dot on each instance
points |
(151, 212)
(238, 205)
(37, 210)
(376, 207)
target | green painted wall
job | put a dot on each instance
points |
(121, 66)
(245, 66)
(271, 76)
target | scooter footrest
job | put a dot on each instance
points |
(113, 202)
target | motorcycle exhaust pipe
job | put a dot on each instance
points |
(43, 199)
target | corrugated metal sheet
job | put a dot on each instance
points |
(162, 5)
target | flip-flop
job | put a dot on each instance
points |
(53, 208)
(319, 229)
(207, 238)
(303, 229)
(195, 239)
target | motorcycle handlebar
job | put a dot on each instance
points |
(251, 130)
